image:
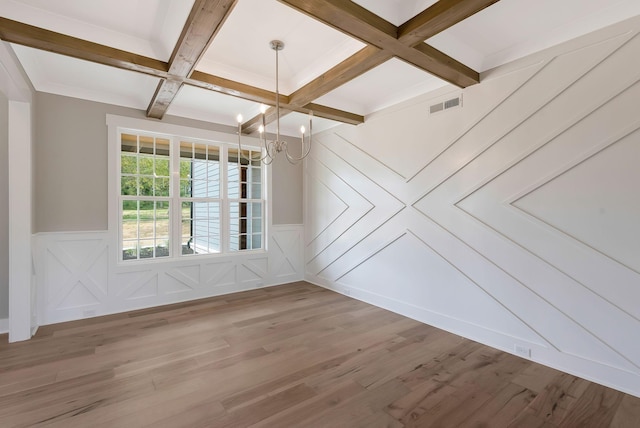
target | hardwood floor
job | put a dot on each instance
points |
(288, 356)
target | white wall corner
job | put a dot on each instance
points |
(4, 325)
(20, 209)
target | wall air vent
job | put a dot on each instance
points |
(446, 105)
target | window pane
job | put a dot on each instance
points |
(162, 167)
(146, 165)
(186, 229)
(233, 190)
(128, 186)
(162, 228)
(213, 190)
(161, 186)
(256, 175)
(162, 209)
(186, 150)
(199, 151)
(187, 247)
(129, 250)
(162, 247)
(146, 186)
(162, 147)
(185, 169)
(256, 209)
(256, 191)
(256, 226)
(146, 248)
(213, 153)
(146, 145)
(129, 143)
(256, 241)
(185, 188)
(198, 189)
(128, 164)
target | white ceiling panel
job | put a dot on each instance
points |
(63, 75)
(396, 12)
(512, 29)
(381, 87)
(209, 106)
(146, 27)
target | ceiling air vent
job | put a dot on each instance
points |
(446, 105)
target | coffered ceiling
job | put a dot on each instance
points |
(343, 60)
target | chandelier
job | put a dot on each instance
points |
(272, 148)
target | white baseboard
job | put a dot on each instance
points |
(4, 325)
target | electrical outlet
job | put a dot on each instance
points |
(522, 351)
(347, 292)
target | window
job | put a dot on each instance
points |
(145, 202)
(181, 197)
(200, 198)
(245, 193)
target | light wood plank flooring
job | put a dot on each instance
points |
(288, 356)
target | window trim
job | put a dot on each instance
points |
(116, 124)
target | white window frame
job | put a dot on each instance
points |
(122, 124)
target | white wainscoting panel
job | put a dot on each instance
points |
(76, 279)
(514, 220)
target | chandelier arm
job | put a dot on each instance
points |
(263, 140)
(295, 160)
(268, 157)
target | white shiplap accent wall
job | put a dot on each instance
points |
(512, 221)
(76, 278)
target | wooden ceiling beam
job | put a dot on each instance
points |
(39, 38)
(205, 20)
(358, 22)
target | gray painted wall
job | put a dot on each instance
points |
(4, 207)
(287, 192)
(71, 192)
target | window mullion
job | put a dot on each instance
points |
(174, 217)
(224, 202)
